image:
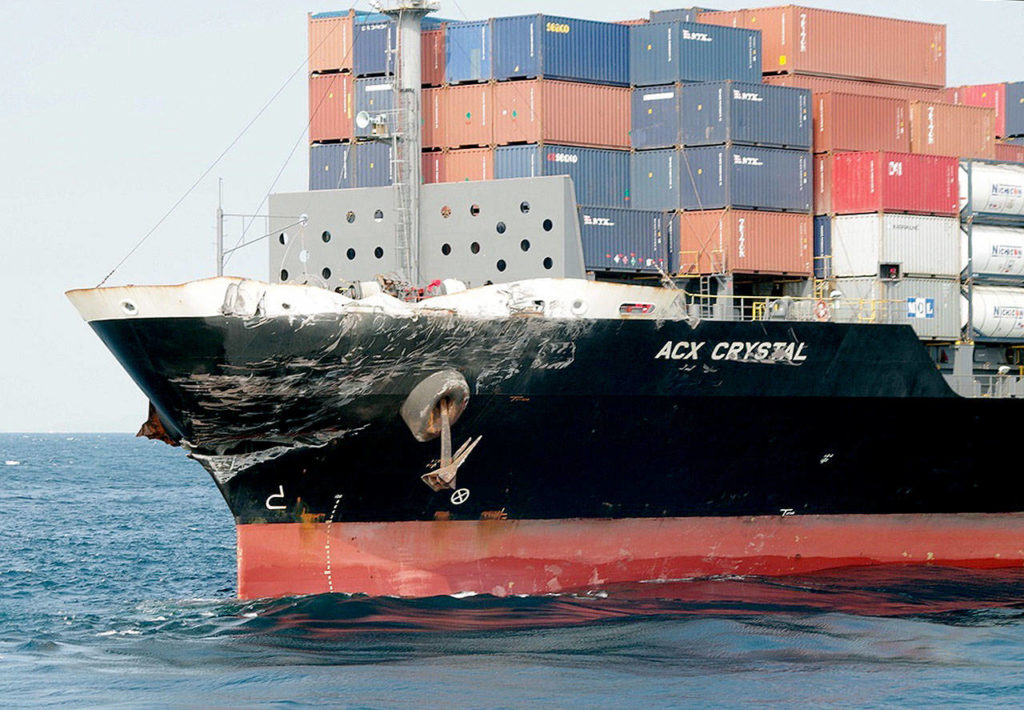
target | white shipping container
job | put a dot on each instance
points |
(998, 312)
(931, 306)
(998, 252)
(992, 188)
(921, 245)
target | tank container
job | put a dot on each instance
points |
(930, 306)
(330, 107)
(753, 114)
(330, 166)
(922, 245)
(625, 240)
(555, 47)
(709, 178)
(822, 247)
(743, 242)
(562, 112)
(849, 122)
(667, 52)
(998, 312)
(601, 177)
(948, 129)
(467, 52)
(893, 182)
(822, 84)
(804, 40)
(656, 115)
(467, 114)
(373, 166)
(997, 252)
(992, 189)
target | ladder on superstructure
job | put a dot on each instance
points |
(400, 168)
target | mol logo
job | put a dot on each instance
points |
(746, 95)
(746, 160)
(931, 125)
(597, 221)
(697, 36)
(562, 158)
(895, 168)
(741, 246)
(803, 31)
(559, 27)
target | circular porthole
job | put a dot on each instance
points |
(524, 207)
(475, 247)
(501, 264)
(378, 216)
(547, 225)
(446, 249)
(474, 210)
(304, 256)
(548, 263)
(351, 254)
(379, 252)
(350, 216)
(500, 227)
(326, 273)
(446, 211)
(284, 274)
(283, 238)
(525, 245)
(326, 236)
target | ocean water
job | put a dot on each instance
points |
(117, 590)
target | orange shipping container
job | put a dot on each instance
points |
(563, 112)
(805, 40)
(330, 42)
(467, 115)
(945, 129)
(431, 117)
(433, 167)
(744, 242)
(823, 184)
(469, 164)
(1010, 151)
(821, 84)
(432, 57)
(851, 122)
(330, 107)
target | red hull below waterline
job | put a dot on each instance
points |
(501, 557)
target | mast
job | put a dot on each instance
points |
(407, 144)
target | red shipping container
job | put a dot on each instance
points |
(894, 182)
(804, 40)
(431, 117)
(948, 129)
(744, 242)
(821, 84)
(467, 115)
(330, 42)
(823, 183)
(847, 122)
(991, 96)
(563, 112)
(432, 57)
(469, 164)
(330, 107)
(1010, 151)
(432, 165)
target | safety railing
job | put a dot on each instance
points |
(756, 308)
(996, 385)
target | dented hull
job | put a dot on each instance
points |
(655, 436)
(545, 556)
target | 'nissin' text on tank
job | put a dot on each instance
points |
(741, 351)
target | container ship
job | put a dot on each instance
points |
(572, 304)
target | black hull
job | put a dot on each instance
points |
(578, 419)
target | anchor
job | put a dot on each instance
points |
(429, 411)
(444, 475)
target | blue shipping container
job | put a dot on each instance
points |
(375, 95)
(744, 177)
(625, 240)
(667, 52)
(374, 34)
(373, 167)
(467, 52)
(330, 166)
(682, 14)
(823, 247)
(601, 177)
(1015, 110)
(754, 114)
(561, 48)
(655, 117)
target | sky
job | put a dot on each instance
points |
(111, 110)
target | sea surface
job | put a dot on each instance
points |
(117, 590)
